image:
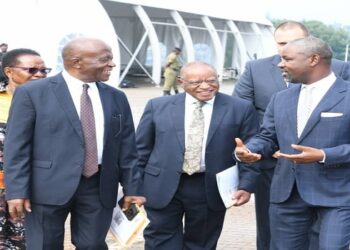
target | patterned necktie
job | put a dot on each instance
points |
(304, 108)
(88, 124)
(194, 141)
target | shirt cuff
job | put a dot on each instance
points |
(324, 157)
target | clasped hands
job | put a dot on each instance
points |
(306, 155)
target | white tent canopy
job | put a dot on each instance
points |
(142, 32)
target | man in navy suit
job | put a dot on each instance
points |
(310, 125)
(260, 80)
(46, 148)
(163, 142)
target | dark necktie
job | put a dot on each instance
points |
(193, 153)
(88, 124)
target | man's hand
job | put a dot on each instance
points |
(128, 200)
(16, 207)
(241, 197)
(243, 154)
(307, 155)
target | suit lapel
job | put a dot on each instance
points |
(106, 106)
(334, 95)
(219, 111)
(60, 89)
(177, 114)
(292, 107)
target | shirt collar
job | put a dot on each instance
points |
(190, 100)
(74, 82)
(325, 82)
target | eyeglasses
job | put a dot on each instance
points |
(34, 70)
(199, 82)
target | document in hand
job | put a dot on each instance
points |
(227, 181)
(126, 231)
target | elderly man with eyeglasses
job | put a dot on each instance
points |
(183, 141)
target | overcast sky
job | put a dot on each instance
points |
(327, 11)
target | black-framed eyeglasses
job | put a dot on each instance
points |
(33, 70)
(211, 81)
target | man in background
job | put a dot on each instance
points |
(171, 71)
(260, 80)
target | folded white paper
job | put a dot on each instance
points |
(331, 114)
(227, 182)
(126, 231)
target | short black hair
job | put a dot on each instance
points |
(3, 44)
(292, 24)
(10, 58)
(178, 49)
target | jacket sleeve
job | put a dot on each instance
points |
(245, 87)
(248, 173)
(18, 146)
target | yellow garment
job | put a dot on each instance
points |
(173, 61)
(5, 103)
(171, 72)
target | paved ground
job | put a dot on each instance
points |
(239, 228)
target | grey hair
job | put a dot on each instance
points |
(314, 46)
(196, 63)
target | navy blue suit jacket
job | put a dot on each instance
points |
(318, 184)
(161, 145)
(44, 146)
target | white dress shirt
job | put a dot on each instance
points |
(207, 109)
(320, 88)
(75, 87)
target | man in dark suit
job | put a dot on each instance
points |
(259, 82)
(179, 166)
(66, 150)
(309, 125)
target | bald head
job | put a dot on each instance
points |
(88, 59)
(196, 65)
(80, 45)
(289, 31)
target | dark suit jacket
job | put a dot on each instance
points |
(262, 78)
(161, 145)
(44, 146)
(318, 184)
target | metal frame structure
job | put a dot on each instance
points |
(151, 17)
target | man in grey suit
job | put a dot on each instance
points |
(309, 125)
(169, 150)
(259, 82)
(66, 150)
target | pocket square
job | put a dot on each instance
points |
(331, 114)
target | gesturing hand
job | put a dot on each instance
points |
(243, 154)
(307, 155)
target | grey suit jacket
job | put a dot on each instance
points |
(160, 140)
(318, 184)
(44, 146)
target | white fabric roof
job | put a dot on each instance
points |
(246, 10)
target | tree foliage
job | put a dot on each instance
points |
(336, 37)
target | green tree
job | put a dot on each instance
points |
(336, 37)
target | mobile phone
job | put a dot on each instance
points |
(131, 212)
